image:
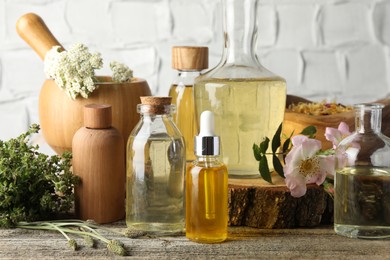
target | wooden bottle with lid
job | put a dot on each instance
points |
(189, 61)
(98, 158)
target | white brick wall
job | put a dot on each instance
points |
(334, 49)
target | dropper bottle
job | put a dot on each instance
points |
(207, 188)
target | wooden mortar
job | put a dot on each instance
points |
(60, 116)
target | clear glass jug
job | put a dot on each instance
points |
(362, 187)
(248, 100)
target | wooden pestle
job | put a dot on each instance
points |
(33, 30)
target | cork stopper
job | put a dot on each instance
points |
(155, 105)
(190, 58)
(97, 116)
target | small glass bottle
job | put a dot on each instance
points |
(207, 188)
(155, 170)
(248, 100)
(362, 187)
(189, 61)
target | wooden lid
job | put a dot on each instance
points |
(190, 58)
(97, 116)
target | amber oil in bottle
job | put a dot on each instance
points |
(206, 188)
(189, 61)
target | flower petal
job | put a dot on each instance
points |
(344, 129)
(333, 135)
(298, 139)
(304, 148)
(310, 147)
(328, 166)
(296, 184)
(293, 158)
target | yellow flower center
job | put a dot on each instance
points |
(309, 167)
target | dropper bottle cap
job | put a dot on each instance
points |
(206, 143)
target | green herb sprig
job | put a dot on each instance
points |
(84, 229)
(33, 186)
(279, 151)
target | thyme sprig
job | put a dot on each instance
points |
(33, 186)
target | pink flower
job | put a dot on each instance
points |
(303, 165)
(345, 155)
(337, 135)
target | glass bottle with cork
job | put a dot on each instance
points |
(248, 100)
(155, 170)
(189, 61)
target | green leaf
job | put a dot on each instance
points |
(309, 131)
(285, 147)
(264, 169)
(31, 180)
(264, 145)
(278, 166)
(276, 139)
(256, 152)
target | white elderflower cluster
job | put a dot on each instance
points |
(73, 70)
(120, 72)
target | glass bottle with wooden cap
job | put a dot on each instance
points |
(189, 61)
(155, 170)
(98, 158)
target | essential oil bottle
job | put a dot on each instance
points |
(206, 188)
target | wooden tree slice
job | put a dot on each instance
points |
(256, 203)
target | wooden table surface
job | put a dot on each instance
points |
(243, 243)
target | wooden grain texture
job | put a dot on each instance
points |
(190, 58)
(34, 31)
(256, 203)
(242, 243)
(60, 116)
(296, 122)
(99, 161)
(98, 116)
